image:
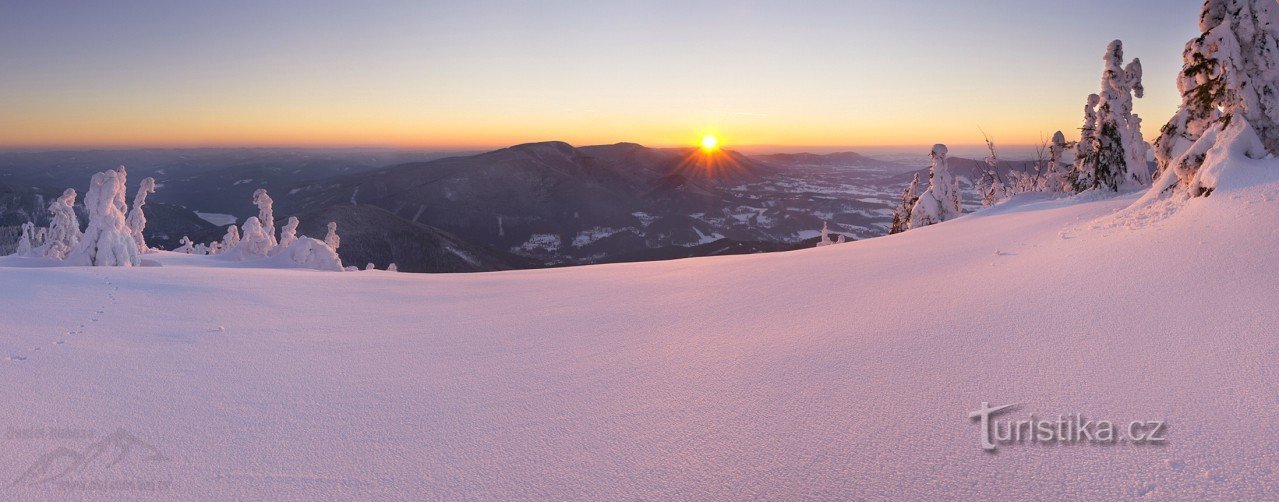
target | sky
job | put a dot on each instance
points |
(770, 75)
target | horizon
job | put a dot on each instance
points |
(484, 75)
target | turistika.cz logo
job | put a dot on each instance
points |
(1063, 429)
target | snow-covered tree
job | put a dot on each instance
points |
(185, 246)
(940, 202)
(231, 239)
(1084, 173)
(841, 239)
(107, 241)
(200, 249)
(266, 214)
(288, 234)
(370, 266)
(825, 240)
(254, 243)
(215, 247)
(392, 268)
(990, 185)
(1230, 73)
(1117, 157)
(1055, 172)
(24, 242)
(64, 227)
(332, 238)
(901, 215)
(137, 220)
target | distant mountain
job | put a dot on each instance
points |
(551, 201)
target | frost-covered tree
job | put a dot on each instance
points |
(370, 266)
(1055, 173)
(1116, 158)
(200, 249)
(24, 242)
(185, 246)
(825, 240)
(254, 243)
(332, 238)
(1230, 74)
(266, 214)
(288, 234)
(392, 268)
(940, 202)
(137, 220)
(107, 241)
(64, 227)
(231, 239)
(841, 239)
(1083, 175)
(989, 184)
(215, 247)
(901, 215)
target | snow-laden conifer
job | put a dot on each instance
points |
(107, 241)
(332, 238)
(901, 215)
(266, 214)
(64, 227)
(940, 202)
(1229, 72)
(137, 220)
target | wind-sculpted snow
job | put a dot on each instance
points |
(845, 372)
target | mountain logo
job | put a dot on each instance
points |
(66, 464)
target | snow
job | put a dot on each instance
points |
(808, 374)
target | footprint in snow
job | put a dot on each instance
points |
(1176, 464)
(1146, 490)
(16, 357)
(59, 342)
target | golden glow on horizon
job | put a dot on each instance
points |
(710, 142)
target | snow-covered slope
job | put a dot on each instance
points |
(841, 372)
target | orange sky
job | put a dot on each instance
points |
(479, 74)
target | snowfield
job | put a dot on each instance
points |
(844, 372)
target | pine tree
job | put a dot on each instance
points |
(332, 238)
(107, 241)
(825, 240)
(64, 227)
(940, 202)
(1084, 174)
(137, 220)
(24, 242)
(1230, 75)
(1120, 151)
(991, 186)
(1055, 173)
(266, 214)
(231, 239)
(901, 215)
(288, 234)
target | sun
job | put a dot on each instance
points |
(709, 142)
